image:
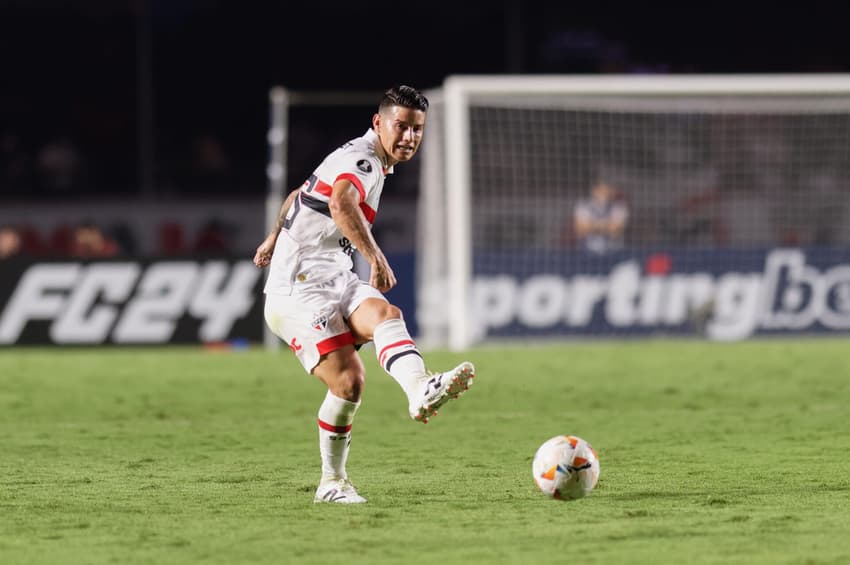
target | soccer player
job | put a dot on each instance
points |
(317, 305)
(600, 221)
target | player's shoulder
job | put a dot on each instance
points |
(363, 146)
(357, 154)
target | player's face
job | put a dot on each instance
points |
(602, 193)
(400, 130)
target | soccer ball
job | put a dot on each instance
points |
(565, 468)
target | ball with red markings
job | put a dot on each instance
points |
(565, 468)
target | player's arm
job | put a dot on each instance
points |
(345, 210)
(616, 223)
(583, 227)
(583, 223)
(586, 224)
(263, 256)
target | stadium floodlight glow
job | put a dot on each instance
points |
(506, 157)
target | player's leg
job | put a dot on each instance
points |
(343, 373)
(322, 342)
(377, 320)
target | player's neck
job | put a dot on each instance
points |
(386, 160)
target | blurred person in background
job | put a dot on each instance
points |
(316, 304)
(10, 242)
(59, 165)
(213, 238)
(210, 165)
(599, 221)
(88, 241)
(15, 164)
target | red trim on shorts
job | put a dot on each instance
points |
(335, 429)
(383, 353)
(335, 342)
(353, 179)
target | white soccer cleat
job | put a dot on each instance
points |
(439, 389)
(340, 491)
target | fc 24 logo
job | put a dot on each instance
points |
(128, 302)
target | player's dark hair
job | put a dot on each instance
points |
(405, 96)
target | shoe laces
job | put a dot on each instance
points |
(345, 484)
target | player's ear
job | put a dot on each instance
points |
(376, 122)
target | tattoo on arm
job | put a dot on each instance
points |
(284, 209)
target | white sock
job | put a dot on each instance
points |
(335, 417)
(399, 356)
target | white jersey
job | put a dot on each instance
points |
(310, 248)
(590, 211)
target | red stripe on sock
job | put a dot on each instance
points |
(383, 354)
(335, 429)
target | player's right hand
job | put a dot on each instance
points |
(263, 256)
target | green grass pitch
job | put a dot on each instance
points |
(710, 453)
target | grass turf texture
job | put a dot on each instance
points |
(710, 453)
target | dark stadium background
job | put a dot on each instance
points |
(148, 118)
(84, 71)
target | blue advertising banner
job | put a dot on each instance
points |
(722, 294)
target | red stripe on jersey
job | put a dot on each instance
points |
(383, 352)
(335, 342)
(368, 211)
(355, 181)
(324, 188)
(334, 429)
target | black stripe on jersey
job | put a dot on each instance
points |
(316, 204)
(311, 183)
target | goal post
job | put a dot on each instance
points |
(458, 211)
(276, 139)
(717, 172)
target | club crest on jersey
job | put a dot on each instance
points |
(320, 321)
(364, 166)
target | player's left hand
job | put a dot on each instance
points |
(382, 276)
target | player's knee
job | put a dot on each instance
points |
(391, 312)
(350, 384)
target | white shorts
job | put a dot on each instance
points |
(313, 319)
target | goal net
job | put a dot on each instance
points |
(732, 194)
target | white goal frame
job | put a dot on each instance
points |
(459, 92)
